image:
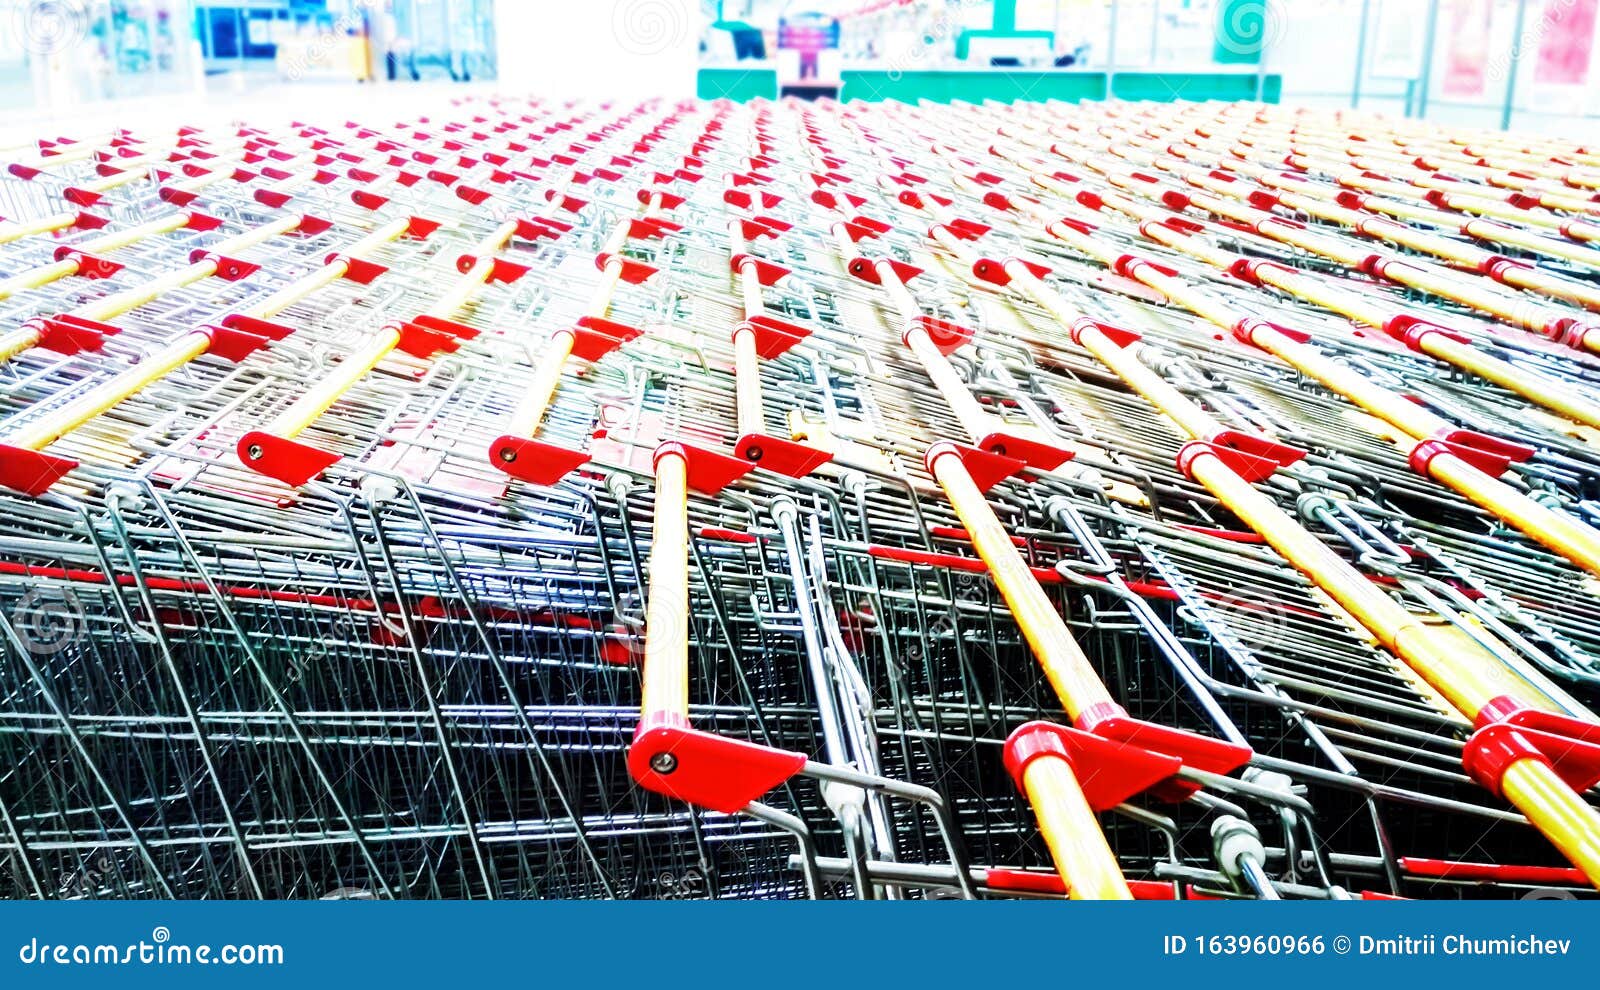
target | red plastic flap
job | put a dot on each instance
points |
(472, 194)
(633, 272)
(424, 342)
(257, 327)
(68, 334)
(856, 232)
(1245, 330)
(289, 461)
(1119, 336)
(535, 461)
(311, 225)
(646, 228)
(1247, 466)
(708, 471)
(968, 230)
(533, 228)
(595, 336)
(500, 270)
(1035, 453)
(946, 336)
(77, 196)
(366, 199)
(1510, 450)
(867, 270)
(1280, 454)
(359, 270)
(992, 271)
(1569, 745)
(669, 200)
(1491, 455)
(229, 269)
(774, 336)
(1108, 772)
(1194, 750)
(876, 226)
(232, 344)
(1412, 330)
(767, 273)
(176, 196)
(780, 455)
(709, 771)
(90, 266)
(30, 471)
(762, 227)
(986, 469)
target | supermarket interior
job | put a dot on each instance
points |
(1520, 64)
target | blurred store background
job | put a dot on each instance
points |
(1490, 63)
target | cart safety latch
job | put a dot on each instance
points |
(1117, 335)
(774, 335)
(537, 462)
(706, 770)
(1039, 454)
(1412, 330)
(994, 272)
(1569, 746)
(780, 455)
(948, 337)
(90, 266)
(633, 272)
(767, 273)
(1489, 454)
(708, 471)
(68, 334)
(1246, 329)
(985, 468)
(593, 337)
(31, 472)
(289, 461)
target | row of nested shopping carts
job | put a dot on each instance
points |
(782, 500)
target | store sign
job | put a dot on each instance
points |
(1398, 39)
(1466, 47)
(1566, 42)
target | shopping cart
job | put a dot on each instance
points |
(797, 500)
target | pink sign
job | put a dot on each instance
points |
(1467, 47)
(1566, 41)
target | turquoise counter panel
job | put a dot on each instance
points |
(945, 86)
(1168, 86)
(742, 85)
